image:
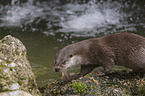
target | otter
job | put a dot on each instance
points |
(125, 49)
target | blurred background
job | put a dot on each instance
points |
(46, 26)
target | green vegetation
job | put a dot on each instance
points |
(79, 87)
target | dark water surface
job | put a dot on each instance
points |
(45, 26)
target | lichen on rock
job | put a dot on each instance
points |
(15, 70)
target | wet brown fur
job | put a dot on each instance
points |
(125, 49)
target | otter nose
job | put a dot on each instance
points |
(57, 69)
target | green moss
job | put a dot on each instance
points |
(11, 69)
(23, 54)
(2, 65)
(20, 82)
(3, 41)
(79, 87)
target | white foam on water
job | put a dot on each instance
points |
(17, 14)
(85, 19)
(92, 17)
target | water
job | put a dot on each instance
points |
(92, 16)
(45, 26)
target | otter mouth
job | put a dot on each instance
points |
(57, 69)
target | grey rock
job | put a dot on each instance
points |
(15, 93)
(15, 70)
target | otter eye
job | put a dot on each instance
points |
(71, 55)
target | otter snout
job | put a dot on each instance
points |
(57, 69)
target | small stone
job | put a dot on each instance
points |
(1, 60)
(15, 93)
(12, 42)
(15, 86)
(6, 71)
(12, 64)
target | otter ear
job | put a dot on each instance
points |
(71, 55)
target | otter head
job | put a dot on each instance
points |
(67, 57)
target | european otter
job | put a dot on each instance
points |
(126, 49)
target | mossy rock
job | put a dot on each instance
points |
(15, 70)
(114, 84)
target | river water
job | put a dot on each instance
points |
(46, 26)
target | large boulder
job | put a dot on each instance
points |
(15, 71)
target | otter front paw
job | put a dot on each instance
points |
(66, 76)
